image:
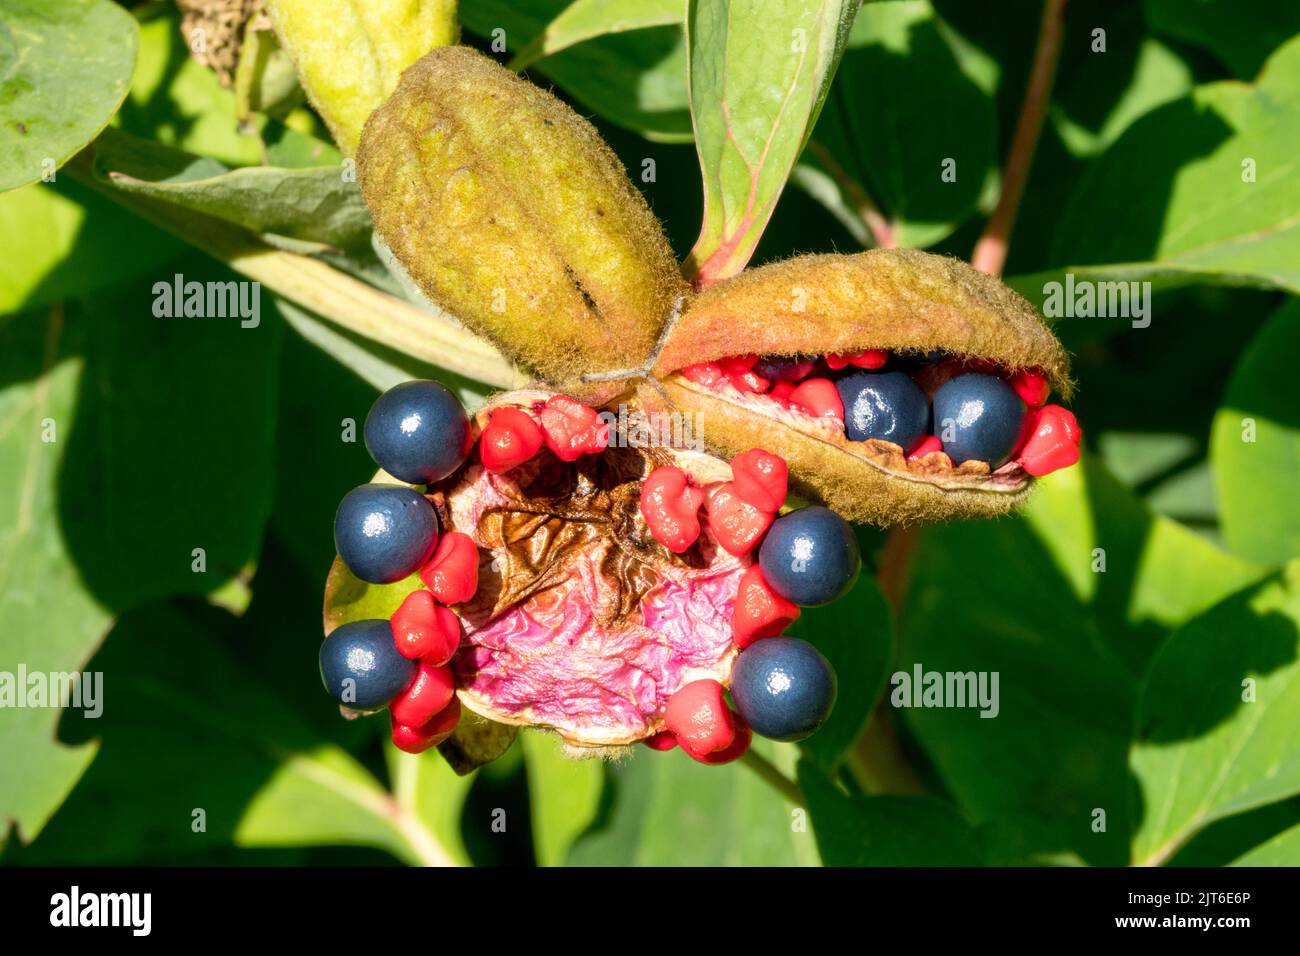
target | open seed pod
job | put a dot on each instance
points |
(902, 302)
(577, 617)
(509, 211)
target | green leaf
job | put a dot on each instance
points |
(855, 634)
(564, 795)
(1281, 850)
(585, 19)
(758, 78)
(1026, 598)
(1218, 721)
(194, 731)
(173, 444)
(665, 809)
(894, 144)
(312, 205)
(1157, 76)
(87, 243)
(1255, 445)
(636, 79)
(349, 56)
(885, 831)
(178, 102)
(1242, 42)
(49, 110)
(51, 622)
(1180, 181)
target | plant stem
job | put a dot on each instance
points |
(767, 771)
(876, 759)
(881, 231)
(343, 300)
(990, 253)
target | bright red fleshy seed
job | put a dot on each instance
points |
(818, 398)
(929, 444)
(424, 631)
(760, 478)
(782, 391)
(700, 719)
(415, 740)
(871, 358)
(1054, 443)
(573, 429)
(708, 374)
(510, 439)
(737, 748)
(452, 572)
(1032, 387)
(760, 612)
(736, 524)
(670, 506)
(430, 691)
(664, 740)
(739, 370)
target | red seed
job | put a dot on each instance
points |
(760, 612)
(664, 740)
(573, 429)
(744, 737)
(760, 478)
(736, 524)
(708, 374)
(415, 740)
(510, 439)
(928, 445)
(1032, 386)
(670, 506)
(871, 358)
(818, 398)
(1054, 443)
(429, 692)
(425, 631)
(699, 718)
(781, 390)
(739, 370)
(452, 572)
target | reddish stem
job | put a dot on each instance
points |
(990, 253)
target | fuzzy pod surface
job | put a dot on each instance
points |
(510, 211)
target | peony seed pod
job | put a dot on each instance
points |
(508, 210)
(903, 301)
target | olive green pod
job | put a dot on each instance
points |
(900, 300)
(509, 211)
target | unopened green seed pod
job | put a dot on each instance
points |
(509, 211)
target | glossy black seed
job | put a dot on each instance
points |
(417, 432)
(783, 687)
(384, 532)
(885, 405)
(810, 556)
(361, 667)
(978, 417)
